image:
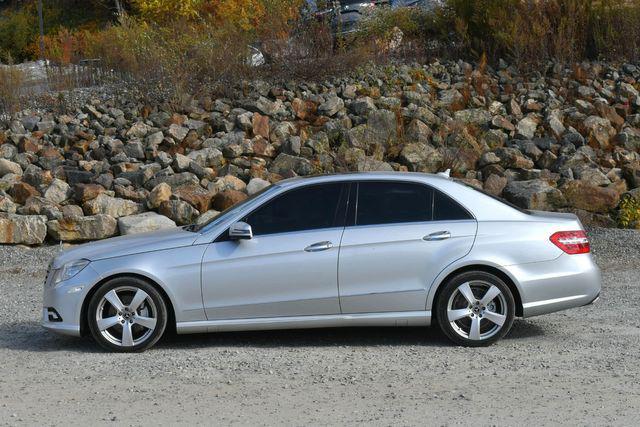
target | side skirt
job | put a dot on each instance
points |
(404, 318)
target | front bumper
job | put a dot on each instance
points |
(66, 300)
(566, 282)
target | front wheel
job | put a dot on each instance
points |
(127, 314)
(475, 309)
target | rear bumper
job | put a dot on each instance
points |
(566, 282)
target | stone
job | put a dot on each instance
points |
(256, 185)
(421, 158)
(112, 206)
(177, 132)
(331, 106)
(369, 164)
(144, 223)
(418, 132)
(179, 211)
(7, 205)
(284, 164)
(138, 130)
(207, 217)
(181, 163)
(78, 229)
(58, 191)
(160, 193)
(21, 191)
(474, 116)
(513, 158)
(534, 194)
(363, 106)
(598, 131)
(195, 195)
(7, 167)
(260, 125)
(526, 128)
(451, 99)
(72, 211)
(304, 110)
(22, 229)
(589, 197)
(495, 184)
(85, 192)
(227, 198)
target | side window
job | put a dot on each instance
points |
(305, 208)
(447, 209)
(393, 202)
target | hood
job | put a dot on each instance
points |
(127, 245)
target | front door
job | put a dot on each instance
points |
(289, 267)
(402, 236)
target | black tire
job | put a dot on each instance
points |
(127, 287)
(478, 281)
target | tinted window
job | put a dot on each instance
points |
(393, 202)
(447, 209)
(306, 208)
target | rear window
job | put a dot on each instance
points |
(503, 201)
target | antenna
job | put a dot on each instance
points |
(446, 174)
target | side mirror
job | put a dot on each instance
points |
(240, 230)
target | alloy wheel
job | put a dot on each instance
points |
(126, 316)
(477, 310)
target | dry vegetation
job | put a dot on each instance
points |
(201, 46)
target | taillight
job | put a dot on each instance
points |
(571, 242)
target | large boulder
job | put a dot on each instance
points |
(144, 222)
(22, 229)
(7, 166)
(77, 229)
(513, 158)
(256, 184)
(421, 158)
(598, 131)
(227, 198)
(589, 197)
(285, 164)
(111, 206)
(179, 211)
(160, 193)
(195, 195)
(58, 191)
(535, 194)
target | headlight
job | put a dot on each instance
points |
(69, 270)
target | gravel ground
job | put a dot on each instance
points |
(579, 367)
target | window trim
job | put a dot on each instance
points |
(430, 187)
(340, 217)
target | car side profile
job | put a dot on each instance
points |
(368, 249)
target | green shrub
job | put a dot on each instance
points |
(629, 212)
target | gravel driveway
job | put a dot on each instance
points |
(580, 367)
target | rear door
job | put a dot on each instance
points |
(399, 237)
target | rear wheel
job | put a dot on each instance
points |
(475, 309)
(127, 314)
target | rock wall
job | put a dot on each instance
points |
(567, 138)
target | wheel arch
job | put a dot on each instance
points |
(171, 315)
(511, 283)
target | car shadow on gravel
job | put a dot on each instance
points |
(30, 336)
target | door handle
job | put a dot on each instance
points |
(438, 235)
(320, 246)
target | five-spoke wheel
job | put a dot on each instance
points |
(127, 314)
(475, 309)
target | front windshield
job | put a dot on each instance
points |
(232, 210)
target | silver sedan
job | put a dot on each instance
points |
(374, 249)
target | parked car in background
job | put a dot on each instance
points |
(342, 15)
(371, 249)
